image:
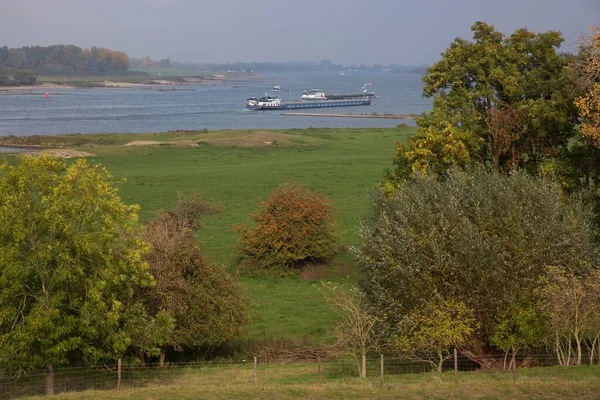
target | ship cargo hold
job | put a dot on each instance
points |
(346, 96)
(275, 103)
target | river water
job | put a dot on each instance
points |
(218, 106)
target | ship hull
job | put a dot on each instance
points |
(313, 104)
(348, 96)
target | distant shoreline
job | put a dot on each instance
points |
(115, 83)
(42, 86)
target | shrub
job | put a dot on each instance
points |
(295, 226)
(207, 307)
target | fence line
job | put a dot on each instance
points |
(122, 375)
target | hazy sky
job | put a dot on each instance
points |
(409, 32)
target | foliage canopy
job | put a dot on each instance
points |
(294, 226)
(500, 100)
(71, 256)
(474, 237)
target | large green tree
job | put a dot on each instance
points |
(480, 238)
(70, 257)
(501, 100)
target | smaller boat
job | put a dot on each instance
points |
(276, 88)
(266, 101)
(342, 73)
(313, 94)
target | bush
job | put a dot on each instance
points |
(295, 226)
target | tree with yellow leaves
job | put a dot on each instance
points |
(589, 78)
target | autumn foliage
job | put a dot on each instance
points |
(207, 307)
(294, 226)
(589, 71)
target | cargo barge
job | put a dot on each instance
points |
(275, 103)
(318, 94)
(347, 96)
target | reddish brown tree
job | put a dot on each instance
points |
(293, 227)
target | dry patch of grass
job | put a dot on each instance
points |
(240, 139)
(61, 153)
(252, 139)
(142, 143)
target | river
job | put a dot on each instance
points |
(218, 106)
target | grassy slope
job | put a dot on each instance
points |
(300, 381)
(344, 164)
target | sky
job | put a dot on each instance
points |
(404, 32)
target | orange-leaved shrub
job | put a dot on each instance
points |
(294, 227)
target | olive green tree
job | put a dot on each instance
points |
(500, 100)
(71, 255)
(520, 325)
(24, 77)
(431, 332)
(475, 237)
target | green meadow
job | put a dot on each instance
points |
(238, 170)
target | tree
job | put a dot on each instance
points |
(520, 325)
(483, 90)
(475, 237)
(70, 260)
(588, 69)
(357, 331)
(293, 227)
(4, 77)
(572, 304)
(25, 77)
(207, 307)
(429, 333)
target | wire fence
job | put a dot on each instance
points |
(246, 372)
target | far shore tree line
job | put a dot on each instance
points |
(63, 58)
(483, 238)
(24, 63)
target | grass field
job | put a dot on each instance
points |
(300, 381)
(238, 170)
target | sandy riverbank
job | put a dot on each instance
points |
(42, 86)
(115, 84)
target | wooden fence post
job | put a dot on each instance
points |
(381, 376)
(255, 379)
(514, 365)
(455, 366)
(49, 379)
(119, 374)
(320, 371)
